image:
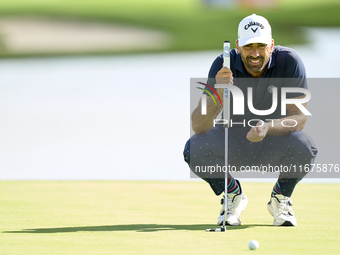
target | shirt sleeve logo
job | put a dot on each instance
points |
(270, 88)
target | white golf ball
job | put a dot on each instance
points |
(253, 244)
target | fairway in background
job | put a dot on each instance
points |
(188, 25)
(158, 218)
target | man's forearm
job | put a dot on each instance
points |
(202, 123)
(286, 125)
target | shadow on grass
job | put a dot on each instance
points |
(131, 227)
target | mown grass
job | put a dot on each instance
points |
(112, 217)
(191, 24)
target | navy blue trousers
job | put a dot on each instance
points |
(289, 152)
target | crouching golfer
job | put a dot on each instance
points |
(273, 140)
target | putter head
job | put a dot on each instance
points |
(222, 229)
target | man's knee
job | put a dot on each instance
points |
(205, 149)
(186, 152)
(301, 143)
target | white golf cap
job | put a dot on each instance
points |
(254, 29)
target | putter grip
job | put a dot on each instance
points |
(226, 99)
(226, 54)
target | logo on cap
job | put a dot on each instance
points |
(251, 23)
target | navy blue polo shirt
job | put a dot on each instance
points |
(285, 69)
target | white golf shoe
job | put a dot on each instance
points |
(280, 207)
(236, 203)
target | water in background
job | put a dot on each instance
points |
(123, 117)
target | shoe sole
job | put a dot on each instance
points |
(228, 224)
(286, 224)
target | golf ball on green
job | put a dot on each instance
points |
(253, 244)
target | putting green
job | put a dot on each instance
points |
(111, 217)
